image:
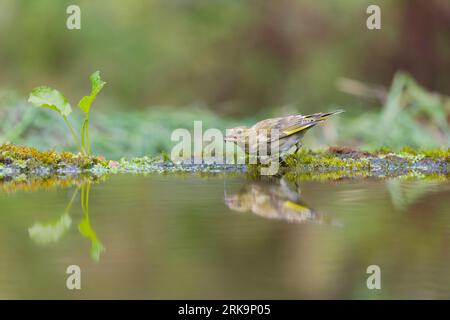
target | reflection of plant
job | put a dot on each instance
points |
(53, 231)
(47, 97)
(405, 193)
(85, 227)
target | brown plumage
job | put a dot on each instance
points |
(290, 129)
(273, 200)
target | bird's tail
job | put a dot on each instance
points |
(323, 115)
(315, 119)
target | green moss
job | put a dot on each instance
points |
(253, 171)
(333, 163)
(339, 162)
(293, 176)
(415, 155)
(25, 182)
(437, 154)
(327, 160)
(27, 158)
(383, 150)
(409, 150)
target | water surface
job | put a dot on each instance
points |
(189, 237)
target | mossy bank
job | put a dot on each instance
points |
(341, 161)
(334, 163)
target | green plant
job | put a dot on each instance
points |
(46, 97)
(46, 233)
(85, 228)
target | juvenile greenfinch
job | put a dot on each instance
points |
(289, 132)
(273, 200)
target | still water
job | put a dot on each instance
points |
(189, 237)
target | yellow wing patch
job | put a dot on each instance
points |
(298, 129)
(295, 206)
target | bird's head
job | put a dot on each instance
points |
(238, 202)
(236, 134)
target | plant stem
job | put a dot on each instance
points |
(71, 200)
(82, 199)
(87, 135)
(85, 198)
(74, 135)
(83, 135)
(88, 188)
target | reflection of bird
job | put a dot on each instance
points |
(272, 200)
(290, 132)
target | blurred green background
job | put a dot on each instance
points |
(229, 62)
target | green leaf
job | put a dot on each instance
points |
(46, 97)
(97, 85)
(97, 82)
(51, 232)
(86, 231)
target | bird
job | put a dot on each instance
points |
(290, 133)
(273, 200)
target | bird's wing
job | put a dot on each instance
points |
(285, 125)
(295, 124)
(292, 124)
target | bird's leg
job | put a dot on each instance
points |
(293, 150)
(281, 159)
(291, 193)
(298, 147)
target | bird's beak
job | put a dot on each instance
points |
(230, 200)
